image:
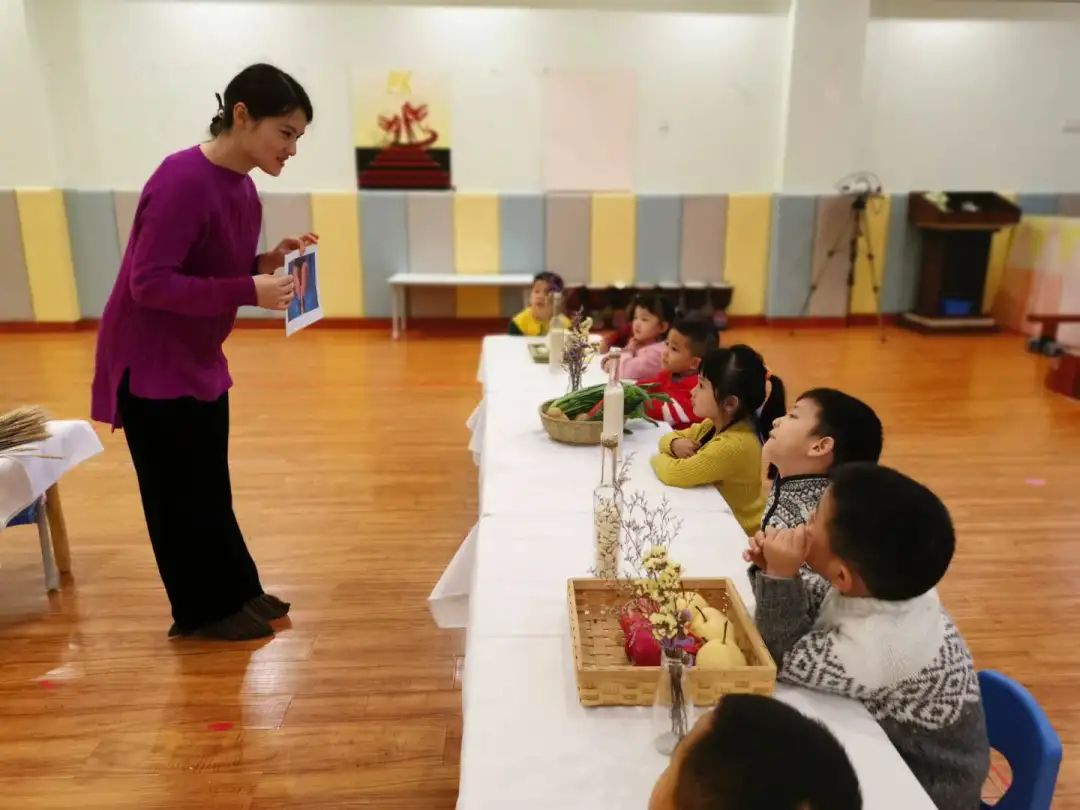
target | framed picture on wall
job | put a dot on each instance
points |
(401, 130)
(306, 305)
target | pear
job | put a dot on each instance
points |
(717, 654)
(707, 623)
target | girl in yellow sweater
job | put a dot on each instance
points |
(725, 448)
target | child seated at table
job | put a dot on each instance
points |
(535, 319)
(824, 428)
(871, 627)
(725, 448)
(688, 341)
(757, 753)
(641, 357)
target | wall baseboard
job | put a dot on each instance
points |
(831, 322)
(445, 326)
(46, 327)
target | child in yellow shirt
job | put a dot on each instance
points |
(725, 448)
(535, 319)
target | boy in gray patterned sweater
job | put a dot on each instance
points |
(824, 428)
(872, 627)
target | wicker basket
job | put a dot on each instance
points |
(606, 678)
(569, 431)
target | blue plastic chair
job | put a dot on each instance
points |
(1020, 732)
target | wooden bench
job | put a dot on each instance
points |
(401, 282)
(1046, 343)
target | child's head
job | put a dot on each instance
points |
(544, 284)
(688, 341)
(878, 533)
(653, 315)
(731, 387)
(824, 428)
(756, 753)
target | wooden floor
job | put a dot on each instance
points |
(354, 487)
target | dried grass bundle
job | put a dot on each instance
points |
(23, 426)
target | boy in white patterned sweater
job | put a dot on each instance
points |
(872, 627)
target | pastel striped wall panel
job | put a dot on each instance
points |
(704, 232)
(43, 224)
(612, 239)
(658, 238)
(746, 251)
(340, 271)
(522, 242)
(16, 303)
(126, 204)
(1069, 205)
(1000, 247)
(1038, 204)
(431, 250)
(95, 251)
(863, 299)
(384, 228)
(833, 230)
(283, 215)
(61, 264)
(568, 234)
(476, 251)
(903, 257)
(790, 255)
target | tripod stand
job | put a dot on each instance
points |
(855, 229)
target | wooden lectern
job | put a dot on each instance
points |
(956, 231)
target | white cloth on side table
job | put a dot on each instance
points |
(24, 478)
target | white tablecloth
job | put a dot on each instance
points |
(505, 364)
(522, 566)
(528, 743)
(24, 478)
(524, 472)
(527, 740)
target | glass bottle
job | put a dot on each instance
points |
(613, 398)
(556, 334)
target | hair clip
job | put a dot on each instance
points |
(220, 105)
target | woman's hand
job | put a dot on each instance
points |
(274, 292)
(270, 261)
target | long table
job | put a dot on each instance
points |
(527, 740)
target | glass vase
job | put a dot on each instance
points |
(672, 709)
(607, 513)
(606, 531)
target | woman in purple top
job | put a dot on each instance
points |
(161, 374)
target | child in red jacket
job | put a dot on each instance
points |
(688, 341)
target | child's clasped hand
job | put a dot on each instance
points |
(778, 552)
(684, 448)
